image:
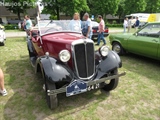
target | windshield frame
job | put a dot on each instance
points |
(54, 26)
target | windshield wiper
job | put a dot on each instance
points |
(49, 23)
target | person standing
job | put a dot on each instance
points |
(19, 25)
(87, 30)
(130, 24)
(75, 24)
(101, 29)
(125, 24)
(2, 88)
(28, 24)
(24, 24)
(137, 23)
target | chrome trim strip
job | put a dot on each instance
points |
(60, 32)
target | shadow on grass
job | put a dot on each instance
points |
(141, 65)
(28, 100)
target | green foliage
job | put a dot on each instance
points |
(68, 7)
(71, 6)
(121, 9)
(114, 25)
(53, 17)
(134, 6)
(153, 6)
(103, 6)
(11, 27)
(114, 22)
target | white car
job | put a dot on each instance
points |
(2, 37)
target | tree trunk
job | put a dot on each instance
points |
(58, 17)
(119, 19)
(81, 15)
(57, 9)
(18, 14)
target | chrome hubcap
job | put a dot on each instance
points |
(117, 48)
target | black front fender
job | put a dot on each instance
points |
(107, 64)
(54, 70)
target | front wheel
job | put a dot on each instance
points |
(116, 47)
(112, 84)
(2, 43)
(52, 100)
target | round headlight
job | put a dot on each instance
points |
(104, 50)
(64, 55)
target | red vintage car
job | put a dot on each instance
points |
(68, 61)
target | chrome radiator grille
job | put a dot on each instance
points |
(84, 59)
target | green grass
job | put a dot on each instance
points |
(137, 96)
(120, 30)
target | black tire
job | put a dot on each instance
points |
(2, 43)
(116, 47)
(112, 84)
(31, 54)
(52, 100)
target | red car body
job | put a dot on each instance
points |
(85, 69)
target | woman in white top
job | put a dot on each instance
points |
(75, 24)
(125, 24)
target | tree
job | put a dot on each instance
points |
(121, 10)
(153, 6)
(134, 6)
(19, 6)
(103, 7)
(67, 7)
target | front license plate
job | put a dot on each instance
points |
(76, 87)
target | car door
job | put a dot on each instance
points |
(38, 45)
(145, 42)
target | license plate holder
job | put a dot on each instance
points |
(76, 87)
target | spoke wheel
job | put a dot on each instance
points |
(52, 100)
(112, 84)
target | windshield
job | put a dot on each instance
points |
(51, 26)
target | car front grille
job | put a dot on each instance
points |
(84, 61)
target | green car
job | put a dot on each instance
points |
(145, 42)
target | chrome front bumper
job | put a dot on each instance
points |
(89, 83)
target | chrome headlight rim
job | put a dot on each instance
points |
(104, 50)
(64, 56)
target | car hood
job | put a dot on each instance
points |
(120, 35)
(56, 42)
(64, 37)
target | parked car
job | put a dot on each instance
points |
(95, 29)
(142, 24)
(145, 42)
(2, 36)
(68, 62)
